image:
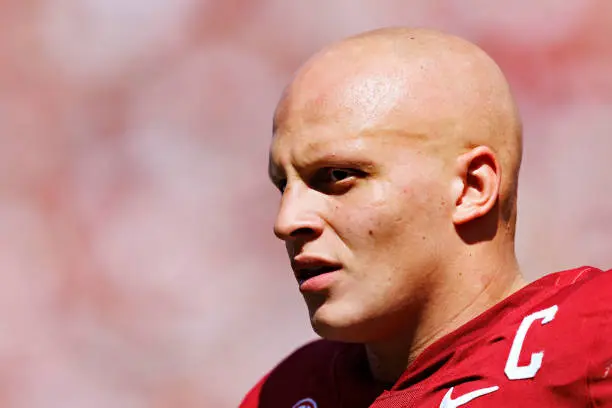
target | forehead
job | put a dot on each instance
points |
(361, 94)
(333, 111)
(303, 146)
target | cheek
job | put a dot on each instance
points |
(374, 213)
(376, 216)
(407, 215)
(388, 215)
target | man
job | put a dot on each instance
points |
(397, 154)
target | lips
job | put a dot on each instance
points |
(307, 267)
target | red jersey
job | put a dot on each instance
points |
(547, 345)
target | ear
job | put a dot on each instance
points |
(476, 184)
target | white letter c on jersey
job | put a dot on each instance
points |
(513, 370)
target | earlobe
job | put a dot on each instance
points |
(477, 184)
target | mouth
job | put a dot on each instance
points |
(305, 274)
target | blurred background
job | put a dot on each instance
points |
(137, 263)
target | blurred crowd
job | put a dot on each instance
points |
(137, 263)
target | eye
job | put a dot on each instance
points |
(336, 180)
(336, 175)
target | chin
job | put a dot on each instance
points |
(343, 327)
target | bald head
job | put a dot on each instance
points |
(441, 93)
(397, 153)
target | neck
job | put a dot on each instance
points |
(446, 312)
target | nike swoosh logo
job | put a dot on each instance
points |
(449, 402)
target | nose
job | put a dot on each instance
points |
(298, 218)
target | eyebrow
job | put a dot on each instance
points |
(332, 160)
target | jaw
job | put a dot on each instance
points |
(343, 319)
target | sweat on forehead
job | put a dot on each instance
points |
(358, 101)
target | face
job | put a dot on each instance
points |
(364, 214)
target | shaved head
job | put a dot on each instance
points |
(435, 89)
(397, 154)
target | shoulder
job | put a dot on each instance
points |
(583, 291)
(570, 298)
(575, 300)
(306, 371)
(567, 332)
(584, 330)
(572, 286)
